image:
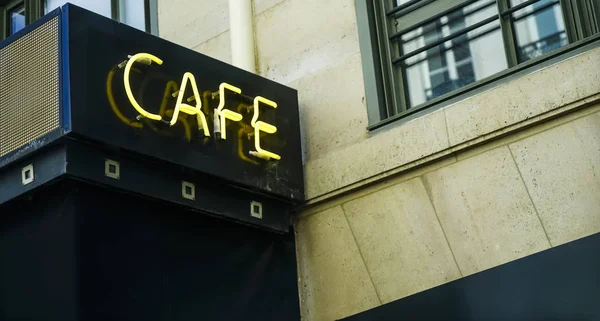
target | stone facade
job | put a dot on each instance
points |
(503, 174)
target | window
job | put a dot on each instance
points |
(140, 14)
(16, 18)
(15, 15)
(427, 51)
(102, 7)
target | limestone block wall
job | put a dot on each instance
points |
(461, 215)
(201, 25)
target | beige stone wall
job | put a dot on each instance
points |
(466, 213)
(202, 25)
(487, 180)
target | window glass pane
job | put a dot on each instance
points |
(448, 25)
(400, 2)
(455, 63)
(17, 19)
(98, 6)
(132, 13)
(518, 2)
(539, 28)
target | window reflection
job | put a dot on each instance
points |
(539, 29)
(401, 2)
(98, 6)
(455, 63)
(132, 13)
(17, 19)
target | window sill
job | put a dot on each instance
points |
(504, 111)
(500, 78)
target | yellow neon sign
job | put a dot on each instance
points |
(146, 58)
(171, 87)
(221, 113)
(190, 110)
(262, 126)
(226, 113)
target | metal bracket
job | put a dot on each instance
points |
(188, 190)
(256, 209)
(112, 169)
(27, 175)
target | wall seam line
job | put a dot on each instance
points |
(267, 9)
(299, 271)
(255, 40)
(441, 226)
(375, 187)
(361, 255)
(447, 130)
(529, 195)
(193, 47)
(337, 63)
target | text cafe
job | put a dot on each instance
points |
(221, 114)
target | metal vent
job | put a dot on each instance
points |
(29, 98)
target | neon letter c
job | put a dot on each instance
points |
(132, 100)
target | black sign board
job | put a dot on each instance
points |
(87, 97)
(108, 212)
(98, 52)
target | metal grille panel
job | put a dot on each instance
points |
(29, 87)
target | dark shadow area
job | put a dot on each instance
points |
(559, 284)
(79, 252)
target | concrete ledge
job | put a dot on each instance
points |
(566, 82)
(573, 83)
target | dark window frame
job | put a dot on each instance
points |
(386, 88)
(20, 6)
(150, 14)
(34, 9)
